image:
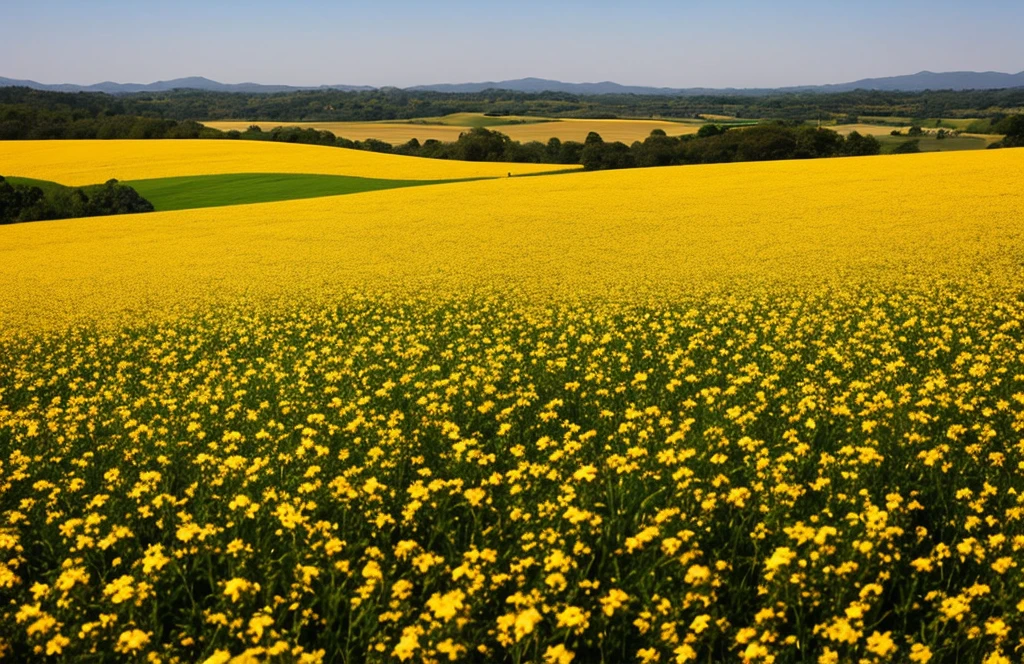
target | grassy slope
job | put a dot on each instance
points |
(183, 193)
(933, 144)
(477, 120)
(928, 142)
(189, 192)
(49, 188)
(927, 123)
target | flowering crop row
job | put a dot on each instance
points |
(665, 425)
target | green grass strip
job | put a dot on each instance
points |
(49, 188)
(199, 191)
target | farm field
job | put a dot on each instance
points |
(927, 123)
(867, 129)
(565, 129)
(927, 142)
(933, 144)
(478, 230)
(187, 192)
(744, 412)
(77, 163)
(625, 131)
(393, 133)
(476, 120)
(202, 191)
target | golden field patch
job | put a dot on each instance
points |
(564, 129)
(77, 163)
(657, 230)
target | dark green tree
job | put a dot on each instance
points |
(1013, 130)
(907, 147)
(861, 146)
(115, 198)
(553, 150)
(710, 130)
(20, 203)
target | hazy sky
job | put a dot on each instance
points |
(742, 43)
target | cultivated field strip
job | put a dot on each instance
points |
(79, 163)
(657, 230)
(567, 129)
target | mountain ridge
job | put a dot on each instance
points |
(923, 80)
(189, 83)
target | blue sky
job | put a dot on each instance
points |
(643, 42)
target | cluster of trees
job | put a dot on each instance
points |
(712, 144)
(1013, 130)
(28, 122)
(476, 144)
(394, 104)
(20, 203)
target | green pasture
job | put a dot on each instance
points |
(199, 191)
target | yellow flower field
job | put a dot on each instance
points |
(565, 129)
(77, 163)
(741, 413)
(654, 231)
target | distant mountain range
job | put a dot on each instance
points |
(925, 80)
(547, 85)
(190, 83)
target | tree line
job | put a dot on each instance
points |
(394, 104)
(51, 115)
(30, 122)
(19, 202)
(712, 144)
